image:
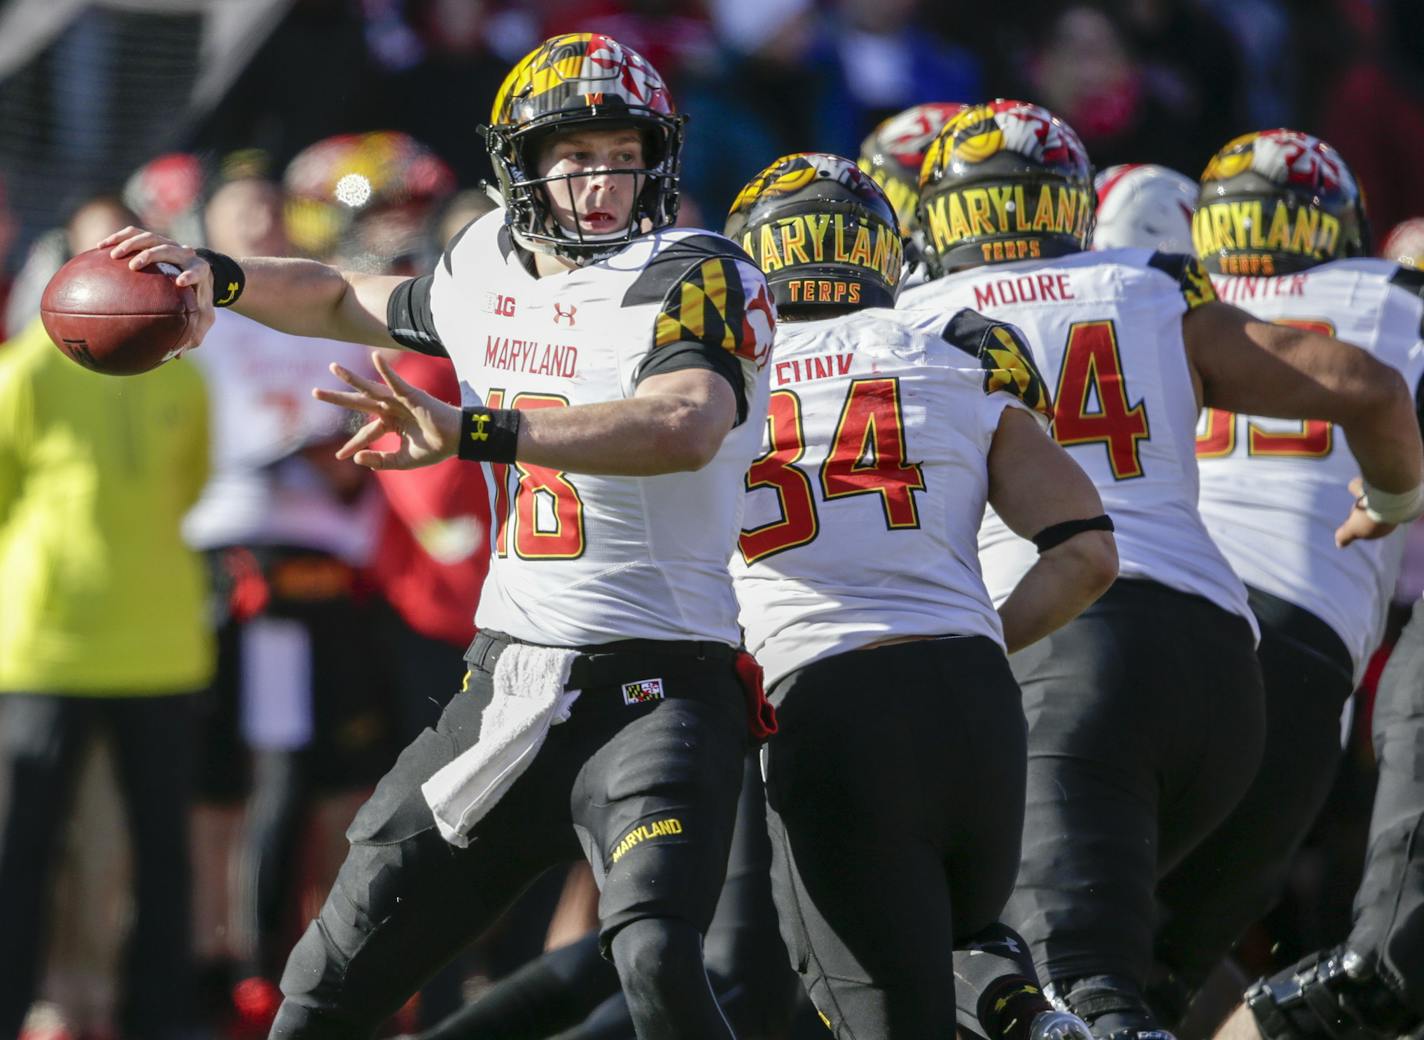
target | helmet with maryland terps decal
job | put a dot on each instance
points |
(1277, 201)
(895, 150)
(589, 81)
(1007, 180)
(824, 233)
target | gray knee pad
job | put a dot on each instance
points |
(1334, 995)
(1113, 1007)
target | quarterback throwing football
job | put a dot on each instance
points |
(615, 386)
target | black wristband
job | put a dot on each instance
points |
(489, 434)
(1057, 534)
(228, 279)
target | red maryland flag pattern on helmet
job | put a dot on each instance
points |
(895, 150)
(579, 71)
(978, 134)
(715, 304)
(1285, 157)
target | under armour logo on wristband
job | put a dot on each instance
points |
(478, 433)
(232, 288)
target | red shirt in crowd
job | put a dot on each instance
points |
(433, 551)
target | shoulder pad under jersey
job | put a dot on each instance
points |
(1003, 354)
(1188, 273)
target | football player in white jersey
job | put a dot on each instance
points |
(620, 363)
(1145, 713)
(895, 780)
(1282, 230)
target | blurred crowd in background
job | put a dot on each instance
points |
(347, 130)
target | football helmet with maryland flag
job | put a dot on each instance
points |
(589, 81)
(1002, 181)
(1277, 201)
(823, 231)
(894, 151)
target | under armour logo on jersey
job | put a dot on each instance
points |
(561, 314)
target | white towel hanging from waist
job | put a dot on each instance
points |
(529, 697)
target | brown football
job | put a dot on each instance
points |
(115, 320)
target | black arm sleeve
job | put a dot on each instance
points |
(409, 319)
(678, 356)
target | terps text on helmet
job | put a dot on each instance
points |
(1001, 211)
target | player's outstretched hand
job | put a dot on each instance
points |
(1359, 526)
(429, 428)
(146, 247)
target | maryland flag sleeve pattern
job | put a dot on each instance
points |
(721, 303)
(1190, 276)
(1004, 355)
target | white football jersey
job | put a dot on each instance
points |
(1106, 332)
(581, 559)
(1273, 491)
(261, 492)
(863, 509)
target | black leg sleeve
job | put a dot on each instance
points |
(659, 961)
(995, 985)
(550, 993)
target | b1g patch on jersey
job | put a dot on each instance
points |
(642, 692)
(1005, 357)
(1189, 274)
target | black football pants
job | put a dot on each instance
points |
(894, 803)
(646, 791)
(1234, 877)
(1146, 722)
